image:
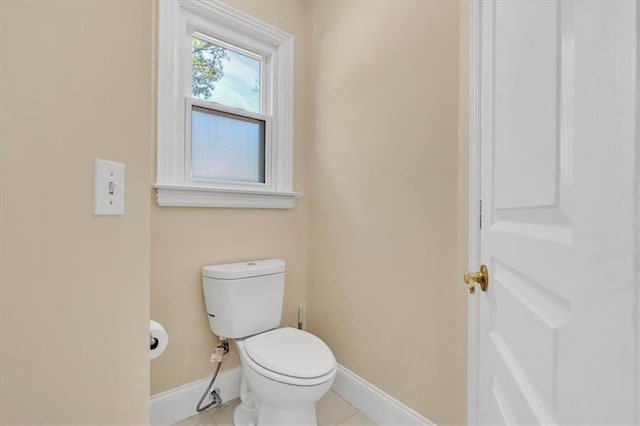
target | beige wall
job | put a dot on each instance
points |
(384, 290)
(183, 240)
(74, 303)
(383, 176)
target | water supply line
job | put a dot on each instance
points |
(216, 356)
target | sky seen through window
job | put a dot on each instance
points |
(226, 77)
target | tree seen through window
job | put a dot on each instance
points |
(225, 76)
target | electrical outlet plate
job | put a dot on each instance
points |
(108, 188)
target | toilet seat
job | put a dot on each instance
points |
(291, 356)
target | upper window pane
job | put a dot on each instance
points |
(225, 76)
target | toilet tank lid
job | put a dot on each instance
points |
(247, 269)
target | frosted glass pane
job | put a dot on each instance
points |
(224, 76)
(226, 147)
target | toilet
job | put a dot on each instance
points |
(284, 370)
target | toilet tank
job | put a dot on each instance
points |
(245, 298)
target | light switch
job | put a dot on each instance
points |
(108, 188)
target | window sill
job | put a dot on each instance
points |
(204, 196)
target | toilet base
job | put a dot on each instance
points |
(303, 416)
(242, 416)
(271, 416)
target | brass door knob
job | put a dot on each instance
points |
(481, 277)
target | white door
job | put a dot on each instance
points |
(558, 328)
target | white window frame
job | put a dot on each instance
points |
(178, 22)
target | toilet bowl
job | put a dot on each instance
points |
(284, 370)
(287, 371)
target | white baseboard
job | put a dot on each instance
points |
(374, 403)
(179, 403)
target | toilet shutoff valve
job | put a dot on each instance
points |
(216, 355)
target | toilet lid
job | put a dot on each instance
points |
(291, 352)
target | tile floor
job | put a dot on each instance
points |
(332, 410)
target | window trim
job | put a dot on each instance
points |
(178, 21)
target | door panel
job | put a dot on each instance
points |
(558, 328)
(525, 73)
(541, 313)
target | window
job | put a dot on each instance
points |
(225, 94)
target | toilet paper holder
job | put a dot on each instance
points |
(154, 342)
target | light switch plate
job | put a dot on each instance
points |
(108, 188)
